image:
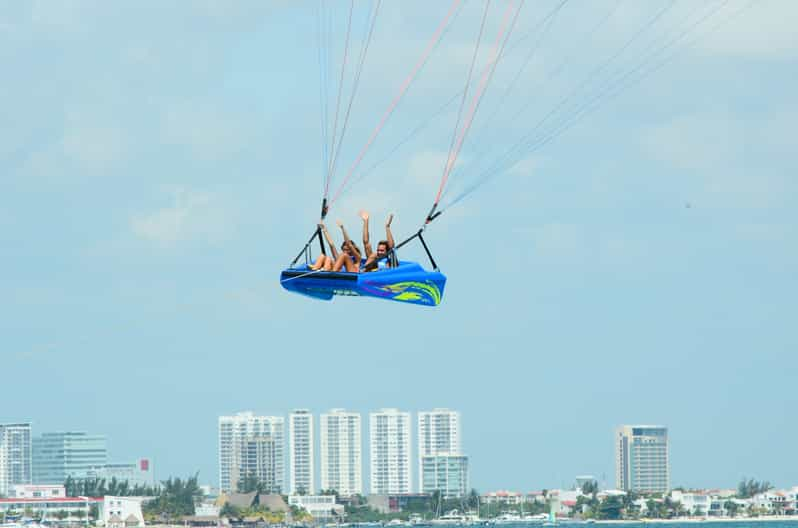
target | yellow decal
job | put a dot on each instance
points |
(402, 294)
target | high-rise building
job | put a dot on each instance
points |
(445, 473)
(438, 433)
(59, 455)
(641, 459)
(341, 460)
(15, 455)
(301, 466)
(389, 450)
(251, 446)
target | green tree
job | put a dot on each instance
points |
(630, 509)
(177, 498)
(750, 487)
(248, 484)
(610, 508)
(590, 487)
(472, 499)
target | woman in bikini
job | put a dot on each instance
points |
(347, 260)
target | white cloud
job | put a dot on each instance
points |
(192, 216)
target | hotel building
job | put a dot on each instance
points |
(389, 450)
(641, 459)
(341, 460)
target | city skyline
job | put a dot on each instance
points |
(129, 471)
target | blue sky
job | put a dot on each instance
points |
(160, 163)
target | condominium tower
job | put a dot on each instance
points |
(444, 473)
(389, 433)
(75, 454)
(438, 433)
(15, 456)
(641, 459)
(341, 461)
(301, 448)
(251, 446)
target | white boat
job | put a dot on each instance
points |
(508, 518)
(455, 517)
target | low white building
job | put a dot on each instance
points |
(502, 497)
(36, 491)
(121, 512)
(321, 507)
(139, 473)
(74, 508)
(206, 509)
(695, 503)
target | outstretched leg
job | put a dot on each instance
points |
(344, 262)
(323, 263)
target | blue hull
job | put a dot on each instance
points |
(408, 283)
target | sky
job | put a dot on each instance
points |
(161, 162)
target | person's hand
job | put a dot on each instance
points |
(364, 215)
(390, 219)
(339, 224)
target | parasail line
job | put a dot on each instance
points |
(498, 47)
(430, 46)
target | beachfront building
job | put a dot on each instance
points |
(323, 508)
(15, 456)
(121, 512)
(300, 441)
(139, 473)
(445, 473)
(438, 433)
(389, 450)
(641, 459)
(47, 502)
(251, 445)
(341, 460)
(58, 456)
(502, 497)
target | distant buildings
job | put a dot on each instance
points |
(341, 461)
(641, 459)
(321, 507)
(139, 473)
(389, 449)
(301, 448)
(441, 465)
(59, 455)
(251, 446)
(15, 455)
(438, 432)
(445, 473)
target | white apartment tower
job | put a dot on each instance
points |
(301, 467)
(641, 459)
(251, 445)
(389, 450)
(341, 460)
(15, 456)
(438, 434)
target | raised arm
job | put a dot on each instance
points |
(348, 241)
(366, 243)
(329, 241)
(388, 234)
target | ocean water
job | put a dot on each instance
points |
(742, 523)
